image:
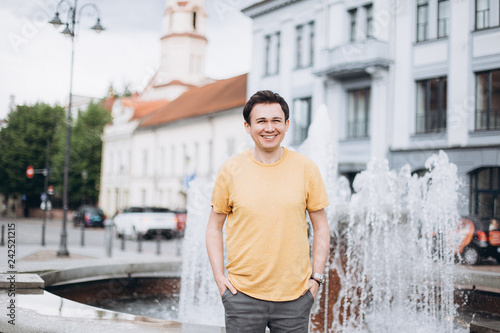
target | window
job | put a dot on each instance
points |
(369, 21)
(488, 101)
(145, 163)
(210, 156)
(194, 20)
(186, 160)
(267, 69)
(482, 14)
(358, 113)
(311, 43)
(277, 55)
(272, 52)
(299, 45)
(196, 157)
(304, 45)
(361, 29)
(173, 168)
(443, 18)
(111, 165)
(422, 18)
(301, 119)
(352, 30)
(162, 161)
(431, 105)
(485, 192)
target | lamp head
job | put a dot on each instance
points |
(56, 21)
(67, 32)
(97, 26)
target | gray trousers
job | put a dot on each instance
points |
(248, 314)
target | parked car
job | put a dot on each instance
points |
(480, 240)
(146, 221)
(90, 216)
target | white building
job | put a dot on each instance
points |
(180, 127)
(401, 80)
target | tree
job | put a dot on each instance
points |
(23, 142)
(85, 154)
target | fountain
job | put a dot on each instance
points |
(199, 302)
(391, 266)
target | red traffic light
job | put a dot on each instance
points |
(30, 172)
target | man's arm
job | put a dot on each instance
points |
(321, 245)
(215, 250)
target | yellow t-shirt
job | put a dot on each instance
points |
(266, 228)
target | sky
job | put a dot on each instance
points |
(35, 57)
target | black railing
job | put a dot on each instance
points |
(358, 129)
(487, 120)
(430, 123)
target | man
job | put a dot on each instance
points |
(264, 192)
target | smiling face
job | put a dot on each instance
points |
(267, 126)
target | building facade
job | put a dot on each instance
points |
(401, 80)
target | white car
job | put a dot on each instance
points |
(147, 221)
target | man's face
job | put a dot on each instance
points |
(267, 126)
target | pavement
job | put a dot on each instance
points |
(36, 310)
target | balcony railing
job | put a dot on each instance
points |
(430, 123)
(487, 120)
(358, 129)
(354, 57)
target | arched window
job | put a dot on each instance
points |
(194, 20)
(485, 192)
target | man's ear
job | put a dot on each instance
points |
(287, 123)
(247, 127)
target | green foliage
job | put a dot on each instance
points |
(85, 154)
(23, 142)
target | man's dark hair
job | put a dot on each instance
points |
(264, 97)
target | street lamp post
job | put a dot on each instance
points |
(69, 31)
(85, 175)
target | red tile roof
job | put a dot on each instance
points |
(142, 108)
(218, 96)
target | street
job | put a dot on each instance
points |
(28, 233)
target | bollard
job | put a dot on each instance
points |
(139, 242)
(122, 243)
(180, 236)
(109, 237)
(2, 241)
(158, 242)
(43, 234)
(82, 238)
